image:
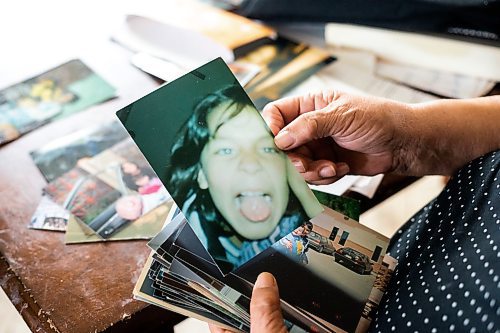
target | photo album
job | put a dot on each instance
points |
(239, 208)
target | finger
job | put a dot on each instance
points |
(302, 192)
(265, 311)
(299, 161)
(281, 112)
(326, 181)
(273, 119)
(324, 171)
(306, 128)
(300, 157)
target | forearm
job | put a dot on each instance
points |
(442, 136)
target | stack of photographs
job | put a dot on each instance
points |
(100, 188)
(333, 285)
(243, 209)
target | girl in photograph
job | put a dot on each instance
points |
(238, 191)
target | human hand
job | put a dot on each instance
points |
(329, 134)
(129, 207)
(265, 311)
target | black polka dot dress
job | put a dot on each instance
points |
(448, 276)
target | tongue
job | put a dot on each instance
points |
(255, 208)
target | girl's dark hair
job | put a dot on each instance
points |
(182, 172)
(184, 166)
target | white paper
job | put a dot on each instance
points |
(339, 187)
(424, 51)
(162, 69)
(441, 83)
(367, 185)
(345, 76)
(362, 60)
(186, 48)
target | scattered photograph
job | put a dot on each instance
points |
(216, 156)
(244, 71)
(49, 216)
(283, 65)
(62, 154)
(145, 227)
(109, 191)
(59, 92)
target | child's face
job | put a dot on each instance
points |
(130, 168)
(244, 173)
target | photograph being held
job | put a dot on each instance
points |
(239, 192)
(448, 251)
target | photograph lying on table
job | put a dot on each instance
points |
(283, 64)
(49, 216)
(216, 156)
(60, 155)
(59, 92)
(109, 192)
(145, 227)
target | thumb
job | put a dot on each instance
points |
(306, 127)
(265, 311)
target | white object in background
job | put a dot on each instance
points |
(162, 69)
(345, 76)
(419, 50)
(337, 188)
(366, 185)
(168, 71)
(441, 83)
(362, 60)
(10, 319)
(190, 325)
(389, 215)
(184, 47)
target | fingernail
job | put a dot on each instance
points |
(299, 165)
(265, 280)
(342, 169)
(327, 172)
(284, 140)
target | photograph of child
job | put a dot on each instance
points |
(295, 244)
(239, 193)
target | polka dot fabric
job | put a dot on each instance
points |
(448, 275)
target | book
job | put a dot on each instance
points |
(242, 209)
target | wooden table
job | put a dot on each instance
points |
(58, 287)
